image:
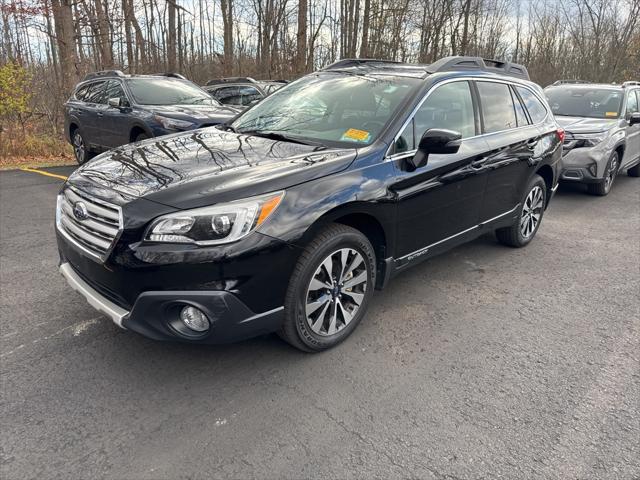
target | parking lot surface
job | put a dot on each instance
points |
(485, 362)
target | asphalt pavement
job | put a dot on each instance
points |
(485, 362)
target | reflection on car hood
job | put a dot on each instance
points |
(200, 112)
(584, 124)
(206, 166)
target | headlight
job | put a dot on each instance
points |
(214, 225)
(590, 139)
(173, 123)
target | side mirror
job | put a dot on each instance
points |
(114, 102)
(435, 140)
(634, 119)
(118, 102)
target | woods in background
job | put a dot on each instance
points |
(58, 41)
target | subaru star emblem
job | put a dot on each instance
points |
(80, 211)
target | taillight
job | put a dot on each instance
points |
(560, 133)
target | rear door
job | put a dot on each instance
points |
(439, 202)
(512, 137)
(95, 106)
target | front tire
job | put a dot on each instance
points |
(330, 289)
(522, 231)
(603, 187)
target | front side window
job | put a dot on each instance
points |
(114, 90)
(449, 107)
(497, 107)
(405, 141)
(533, 104)
(331, 106)
(584, 101)
(168, 91)
(632, 103)
(81, 93)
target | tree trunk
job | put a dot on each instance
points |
(227, 26)
(63, 19)
(171, 36)
(364, 47)
(301, 57)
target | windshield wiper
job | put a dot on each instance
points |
(279, 136)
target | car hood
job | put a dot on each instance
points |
(583, 124)
(206, 166)
(199, 112)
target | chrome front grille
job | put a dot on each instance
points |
(90, 224)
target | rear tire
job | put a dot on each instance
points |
(525, 227)
(80, 148)
(141, 136)
(603, 187)
(329, 290)
(634, 171)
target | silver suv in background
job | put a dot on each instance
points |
(602, 131)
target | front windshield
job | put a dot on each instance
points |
(584, 102)
(329, 106)
(168, 91)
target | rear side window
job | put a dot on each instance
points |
(536, 109)
(497, 107)
(450, 107)
(95, 93)
(227, 95)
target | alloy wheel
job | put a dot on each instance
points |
(78, 146)
(611, 173)
(531, 211)
(336, 291)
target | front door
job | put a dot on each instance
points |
(442, 199)
(632, 152)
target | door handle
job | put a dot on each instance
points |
(100, 114)
(477, 164)
(532, 143)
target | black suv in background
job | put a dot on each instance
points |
(109, 109)
(288, 218)
(241, 91)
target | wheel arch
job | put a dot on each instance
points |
(546, 172)
(362, 217)
(137, 129)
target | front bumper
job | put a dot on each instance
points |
(585, 165)
(155, 314)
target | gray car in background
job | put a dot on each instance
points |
(602, 131)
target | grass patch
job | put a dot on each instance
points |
(29, 149)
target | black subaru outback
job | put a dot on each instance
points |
(288, 218)
(109, 109)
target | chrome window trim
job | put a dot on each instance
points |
(421, 251)
(94, 256)
(400, 155)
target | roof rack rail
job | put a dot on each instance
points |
(104, 73)
(172, 75)
(355, 62)
(630, 83)
(569, 82)
(448, 64)
(217, 81)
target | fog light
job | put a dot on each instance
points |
(195, 319)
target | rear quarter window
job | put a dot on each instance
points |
(534, 106)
